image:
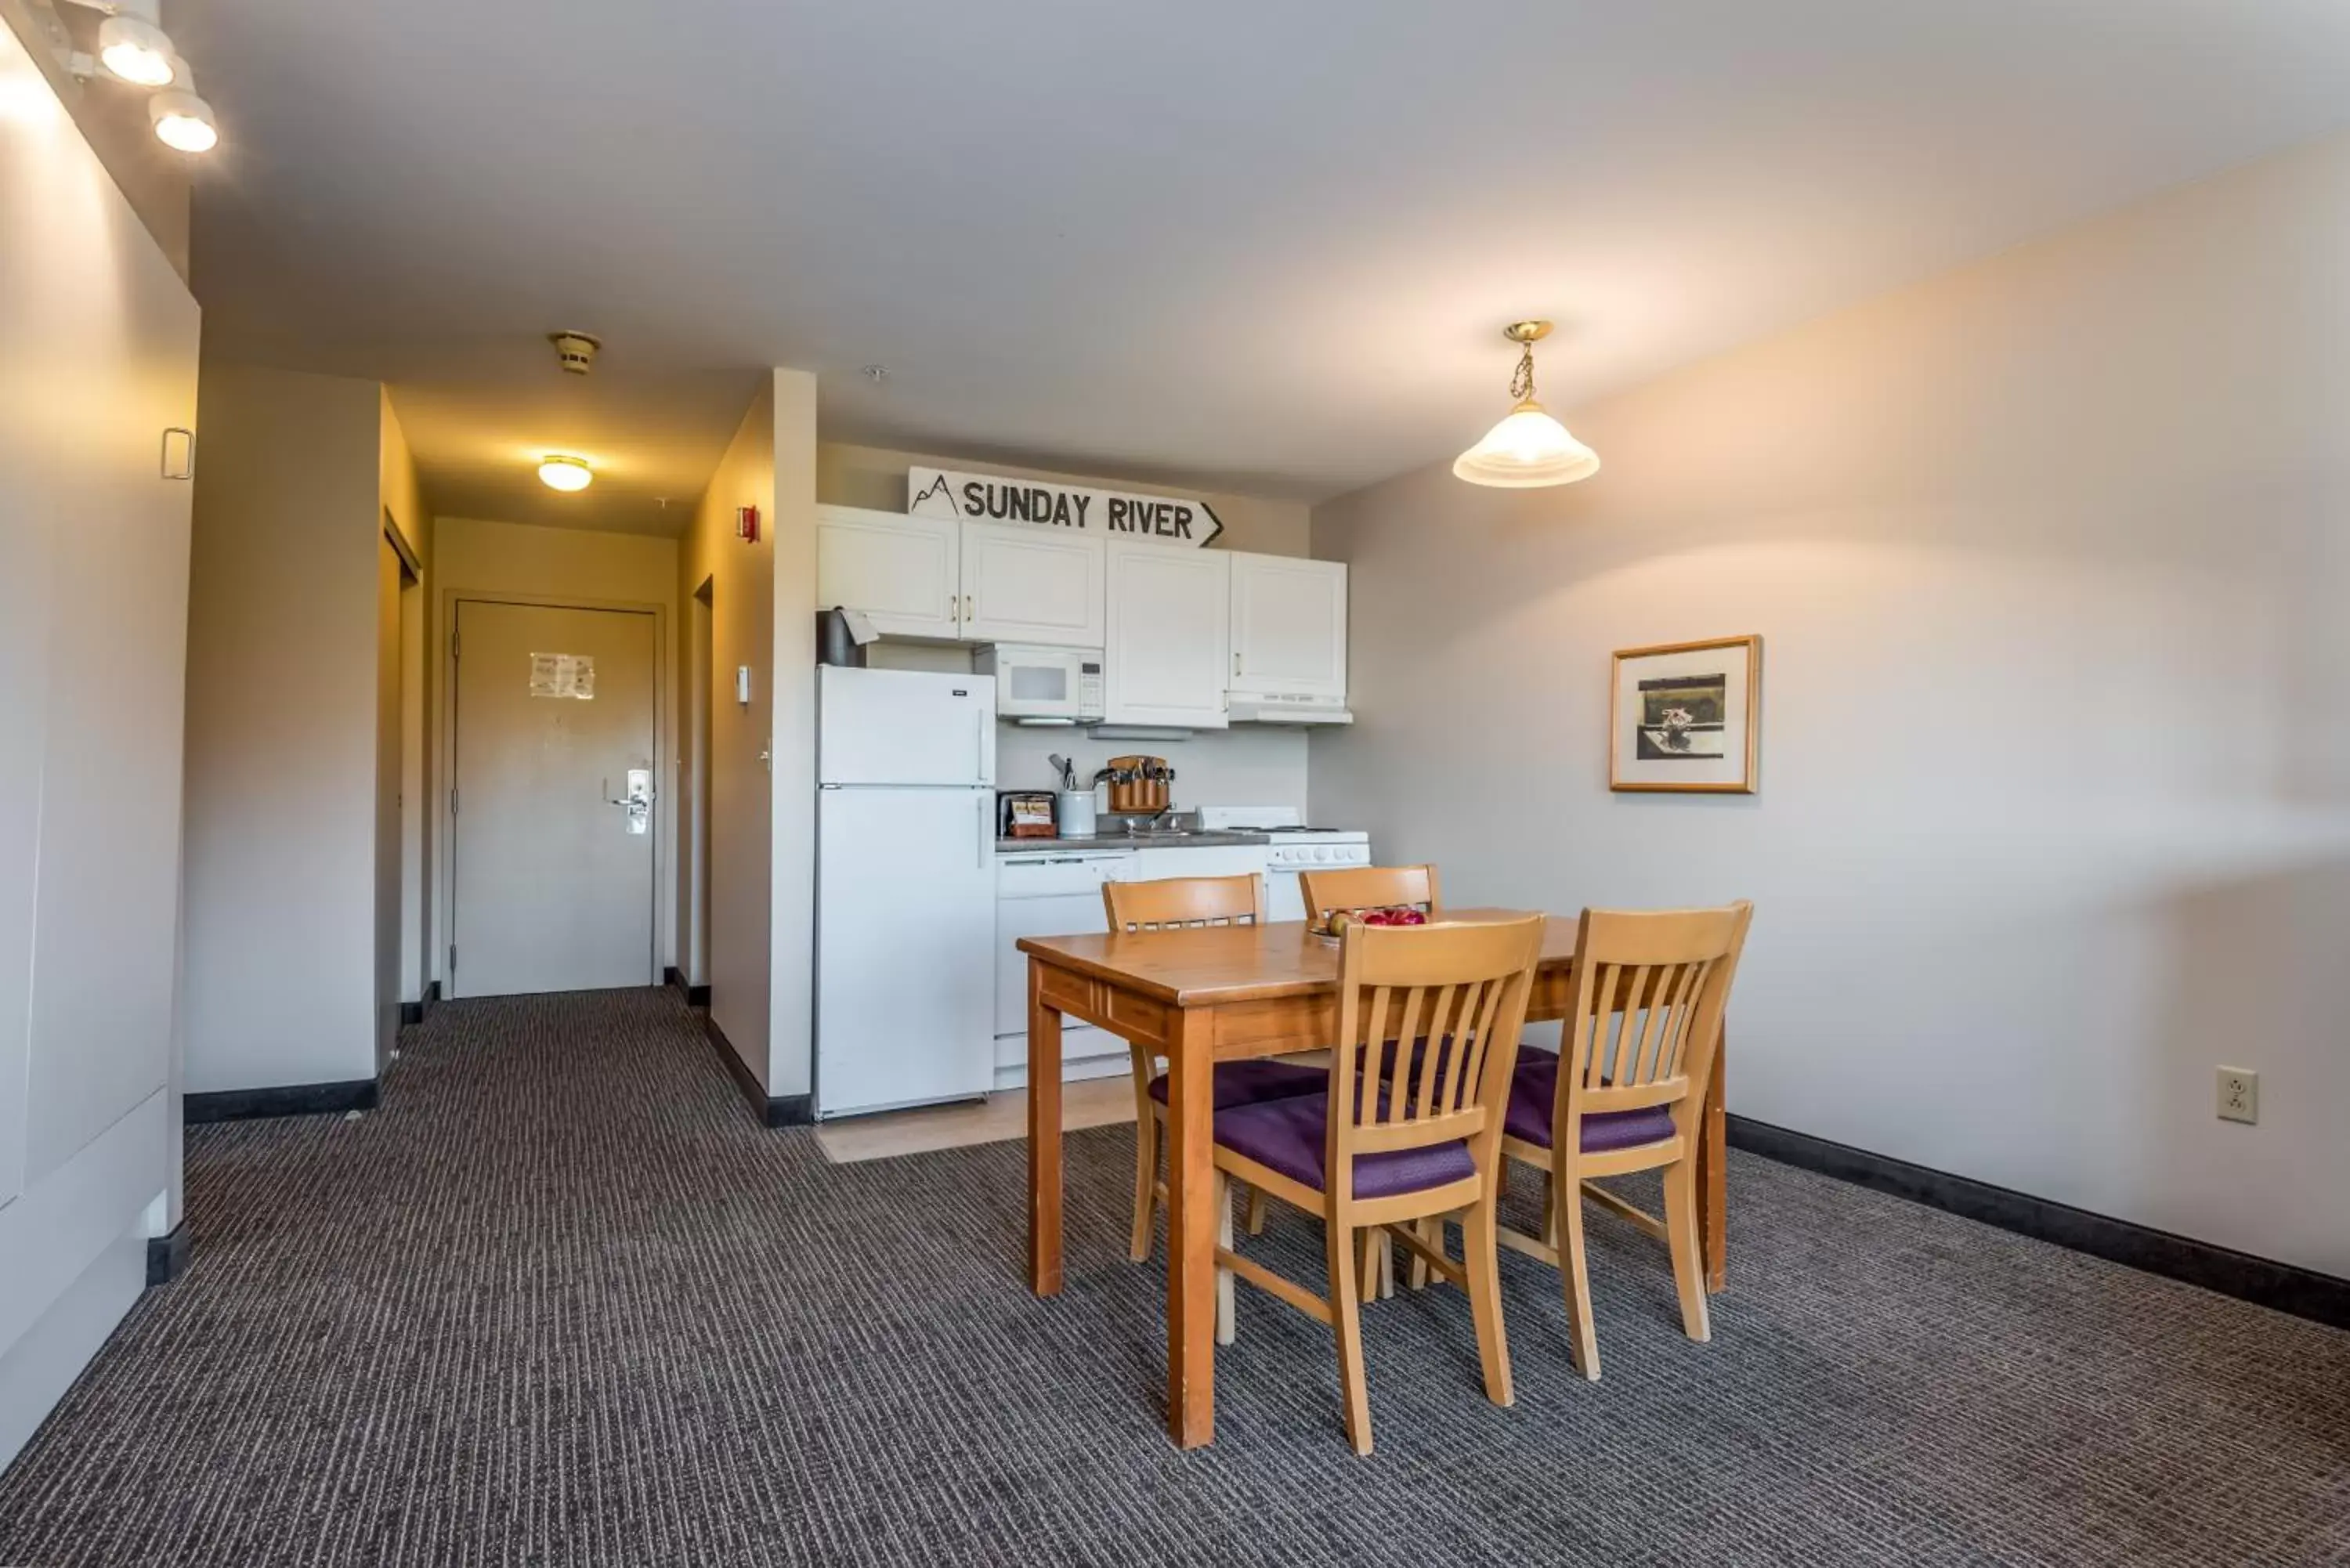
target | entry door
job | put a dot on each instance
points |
(553, 870)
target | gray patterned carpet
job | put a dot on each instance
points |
(561, 1303)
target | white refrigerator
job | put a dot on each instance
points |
(905, 961)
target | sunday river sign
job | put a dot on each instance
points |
(992, 498)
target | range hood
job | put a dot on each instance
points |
(1276, 709)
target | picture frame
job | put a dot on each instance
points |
(1685, 717)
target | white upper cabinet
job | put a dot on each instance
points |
(1289, 626)
(1032, 585)
(1169, 643)
(905, 572)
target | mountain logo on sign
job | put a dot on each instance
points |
(937, 489)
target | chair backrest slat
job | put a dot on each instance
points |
(1341, 887)
(1175, 902)
(1650, 990)
(1429, 1024)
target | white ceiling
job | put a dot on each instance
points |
(1261, 247)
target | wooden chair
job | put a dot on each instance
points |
(1387, 1148)
(1366, 888)
(1627, 1091)
(1324, 893)
(1169, 905)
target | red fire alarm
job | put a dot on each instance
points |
(747, 525)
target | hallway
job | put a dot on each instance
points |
(560, 1301)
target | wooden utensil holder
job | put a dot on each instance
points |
(1136, 793)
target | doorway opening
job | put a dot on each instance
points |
(554, 861)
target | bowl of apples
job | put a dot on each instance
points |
(1383, 914)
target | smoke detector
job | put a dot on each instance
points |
(575, 351)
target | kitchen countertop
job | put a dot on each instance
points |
(1135, 841)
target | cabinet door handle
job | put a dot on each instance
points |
(1236, 662)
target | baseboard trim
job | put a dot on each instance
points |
(167, 1256)
(412, 1014)
(288, 1100)
(773, 1111)
(2285, 1287)
(695, 995)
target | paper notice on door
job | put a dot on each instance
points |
(563, 675)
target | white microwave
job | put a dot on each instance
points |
(1044, 685)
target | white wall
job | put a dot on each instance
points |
(282, 744)
(475, 557)
(741, 824)
(2049, 555)
(99, 358)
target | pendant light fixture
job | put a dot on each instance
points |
(1528, 449)
(566, 472)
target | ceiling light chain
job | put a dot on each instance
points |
(1521, 385)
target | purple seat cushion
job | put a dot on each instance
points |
(1534, 1091)
(1288, 1135)
(1246, 1083)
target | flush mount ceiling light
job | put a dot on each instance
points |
(182, 121)
(1528, 449)
(566, 474)
(136, 51)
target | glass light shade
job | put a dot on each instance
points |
(183, 120)
(138, 52)
(566, 474)
(1527, 450)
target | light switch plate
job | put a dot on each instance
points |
(2240, 1095)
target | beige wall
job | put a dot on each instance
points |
(476, 557)
(741, 827)
(98, 357)
(282, 744)
(2049, 555)
(792, 1037)
(411, 520)
(112, 119)
(875, 476)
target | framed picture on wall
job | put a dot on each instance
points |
(1687, 716)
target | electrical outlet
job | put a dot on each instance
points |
(2240, 1095)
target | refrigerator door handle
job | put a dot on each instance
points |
(984, 845)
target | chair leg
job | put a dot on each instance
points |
(1481, 1252)
(1345, 1311)
(1224, 1202)
(1369, 1243)
(1566, 1195)
(1550, 1212)
(1256, 1206)
(1680, 1235)
(1146, 1177)
(1431, 1230)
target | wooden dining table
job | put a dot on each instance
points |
(1225, 993)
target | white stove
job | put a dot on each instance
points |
(1295, 848)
